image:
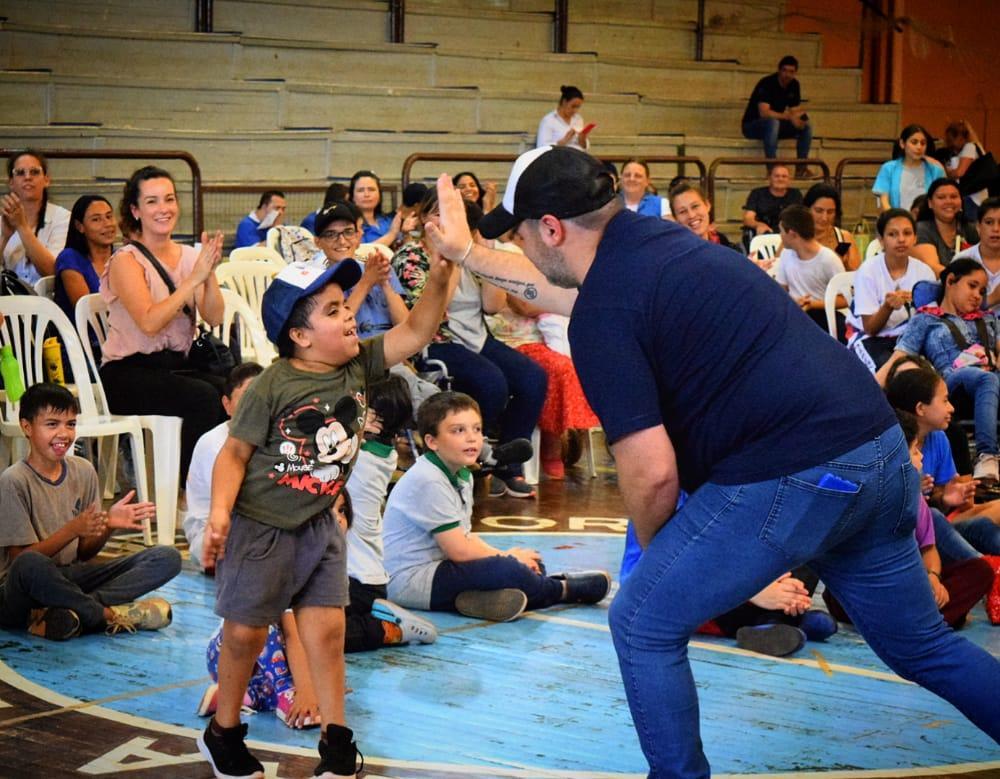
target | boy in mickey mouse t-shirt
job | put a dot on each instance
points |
(272, 537)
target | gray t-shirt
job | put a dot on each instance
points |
(34, 508)
(306, 429)
(428, 500)
(911, 186)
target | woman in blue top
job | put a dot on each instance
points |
(635, 191)
(910, 171)
(960, 340)
(366, 194)
(89, 242)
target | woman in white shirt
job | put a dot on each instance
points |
(565, 126)
(32, 230)
(883, 290)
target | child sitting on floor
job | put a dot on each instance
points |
(957, 587)
(199, 480)
(271, 535)
(434, 559)
(53, 526)
(373, 621)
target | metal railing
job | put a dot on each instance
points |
(847, 162)
(139, 155)
(652, 159)
(758, 161)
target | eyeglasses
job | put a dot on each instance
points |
(333, 235)
(23, 172)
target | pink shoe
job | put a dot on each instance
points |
(285, 702)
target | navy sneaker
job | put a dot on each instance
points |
(585, 586)
(777, 640)
(338, 754)
(495, 605)
(228, 754)
(818, 625)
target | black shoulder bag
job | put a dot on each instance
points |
(209, 353)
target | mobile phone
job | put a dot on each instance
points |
(842, 249)
(588, 128)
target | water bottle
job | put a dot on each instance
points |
(52, 360)
(11, 373)
(862, 238)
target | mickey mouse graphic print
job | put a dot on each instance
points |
(307, 429)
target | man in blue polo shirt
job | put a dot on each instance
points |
(270, 212)
(706, 375)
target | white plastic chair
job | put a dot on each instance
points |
(840, 284)
(252, 338)
(255, 254)
(91, 315)
(874, 247)
(533, 467)
(767, 247)
(27, 319)
(249, 280)
(46, 287)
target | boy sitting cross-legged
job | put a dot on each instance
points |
(434, 560)
(272, 537)
(53, 526)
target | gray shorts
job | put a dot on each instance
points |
(266, 569)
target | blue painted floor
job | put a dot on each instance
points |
(543, 693)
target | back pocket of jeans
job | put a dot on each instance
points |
(804, 515)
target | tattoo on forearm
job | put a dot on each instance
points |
(519, 287)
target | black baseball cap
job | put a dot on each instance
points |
(557, 180)
(339, 211)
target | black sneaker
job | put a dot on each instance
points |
(776, 640)
(585, 586)
(228, 755)
(54, 623)
(495, 605)
(338, 754)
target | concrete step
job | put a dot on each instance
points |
(761, 47)
(357, 21)
(681, 79)
(722, 119)
(479, 27)
(149, 15)
(627, 38)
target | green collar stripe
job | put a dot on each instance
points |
(463, 473)
(377, 448)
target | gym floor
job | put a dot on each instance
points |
(539, 697)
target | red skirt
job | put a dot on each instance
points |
(566, 407)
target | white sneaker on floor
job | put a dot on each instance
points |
(987, 467)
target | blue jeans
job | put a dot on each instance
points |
(770, 130)
(860, 543)
(492, 573)
(35, 581)
(508, 386)
(952, 544)
(981, 533)
(984, 389)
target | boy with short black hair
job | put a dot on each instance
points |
(272, 537)
(53, 525)
(434, 559)
(805, 267)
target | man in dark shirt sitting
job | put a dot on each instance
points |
(774, 111)
(765, 204)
